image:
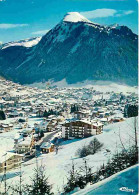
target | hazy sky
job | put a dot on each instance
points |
(21, 19)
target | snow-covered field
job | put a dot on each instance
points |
(103, 86)
(57, 166)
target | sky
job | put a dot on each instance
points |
(21, 19)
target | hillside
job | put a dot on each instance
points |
(58, 166)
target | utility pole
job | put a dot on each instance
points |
(20, 180)
(37, 169)
(5, 189)
(136, 138)
(5, 183)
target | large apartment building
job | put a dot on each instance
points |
(81, 129)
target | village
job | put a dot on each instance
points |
(39, 120)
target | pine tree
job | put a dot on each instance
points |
(132, 111)
(72, 179)
(45, 114)
(2, 115)
(86, 172)
(40, 185)
(41, 134)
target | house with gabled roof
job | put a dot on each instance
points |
(47, 147)
(10, 160)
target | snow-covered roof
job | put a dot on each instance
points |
(92, 122)
(26, 141)
(35, 135)
(2, 101)
(75, 17)
(103, 119)
(18, 136)
(7, 155)
(46, 145)
(97, 124)
(74, 121)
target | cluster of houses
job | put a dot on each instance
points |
(21, 104)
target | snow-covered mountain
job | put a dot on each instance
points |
(76, 49)
(74, 17)
(25, 43)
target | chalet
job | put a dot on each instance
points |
(94, 113)
(52, 125)
(13, 114)
(43, 126)
(18, 137)
(9, 104)
(81, 114)
(36, 137)
(47, 147)
(105, 121)
(39, 113)
(5, 127)
(25, 145)
(117, 119)
(2, 104)
(10, 160)
(81, 129)
(27, 131)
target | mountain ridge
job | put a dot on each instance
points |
(75, 50)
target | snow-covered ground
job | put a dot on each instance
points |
(122, 183)
(57, 166)
(103, 86)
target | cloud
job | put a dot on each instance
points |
(41, 32)
(99, 13)
(103, 13)
(7, 26)
(124, 13)
(128, 12)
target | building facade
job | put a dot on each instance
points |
(81, 129)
